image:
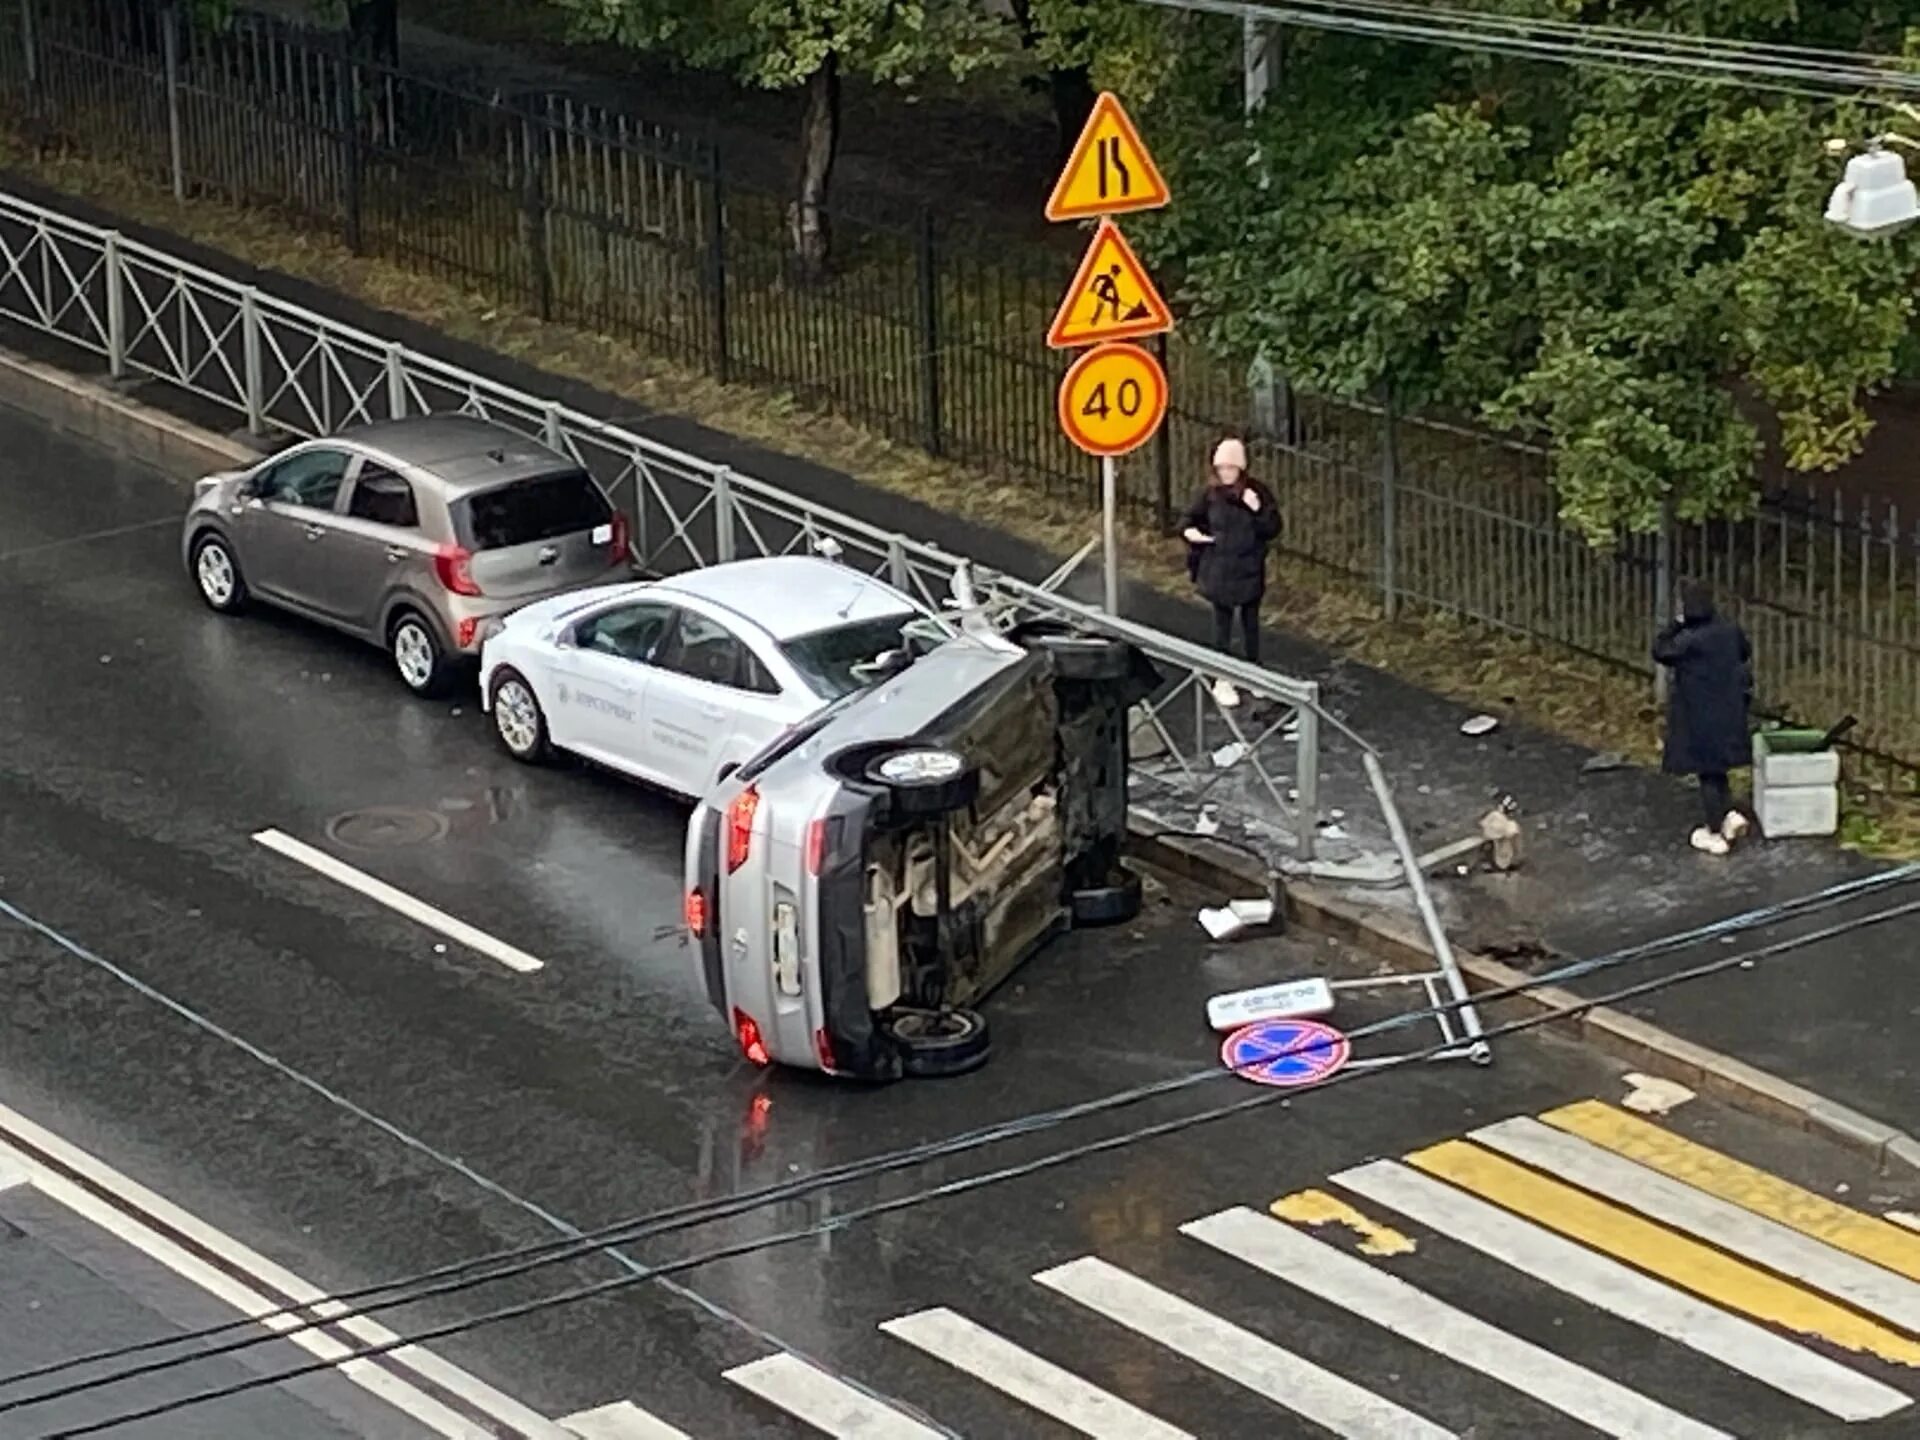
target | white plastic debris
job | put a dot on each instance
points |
(1480, 725)
(1223, 922)
(1228, 755)
(1651, 1095)
(1288, 1000)
(1209, 821)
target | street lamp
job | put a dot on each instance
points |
(1876, 198)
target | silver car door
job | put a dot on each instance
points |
(373, 541)
(284, 536)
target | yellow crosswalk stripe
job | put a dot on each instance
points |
(1658, 1251)
(1866, 1236)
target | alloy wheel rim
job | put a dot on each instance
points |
(413, 653)
(215, 570)
(921, 767)
(514, 715)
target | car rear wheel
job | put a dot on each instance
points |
(518, 721)
(924, 780)
(417, 655)
(935, 1043)
(217, 574)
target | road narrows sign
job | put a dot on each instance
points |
(1110, 298)
(1109, 171)
(1113, 399)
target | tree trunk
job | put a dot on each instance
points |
(819, 143)
(1073, 97)
(373, 30)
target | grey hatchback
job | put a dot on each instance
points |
(411, 534)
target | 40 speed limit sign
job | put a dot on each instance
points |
(1113, 399)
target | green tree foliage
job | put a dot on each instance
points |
(1625, 267)
(810, 44)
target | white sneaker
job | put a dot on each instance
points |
(1734, 826)
(1705, 839)
(1225, 694)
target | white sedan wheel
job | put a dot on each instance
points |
(516, 715)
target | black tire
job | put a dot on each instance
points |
(207, 545)
(1107, 904)
(936, 1043)
(422, 661)
(540, 748)
(922, 780)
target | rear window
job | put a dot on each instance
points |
(825, 659)
(542, 507)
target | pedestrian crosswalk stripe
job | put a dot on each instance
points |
(1390, 1302)
(1327, 1399)
(1760, 1240)
(622, 1420)
(1618, 1290)
(1040, 1383)
(1867, 1236)
(832, 1406)
(1659, 1251)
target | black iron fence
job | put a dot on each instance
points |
(932, 337)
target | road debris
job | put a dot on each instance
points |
(1226, 922)
(1606, 760)
(1480, 725)
(1287, 1000)
(1651, 1095)
(1229, 755)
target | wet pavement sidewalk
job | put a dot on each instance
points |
(1607, 861)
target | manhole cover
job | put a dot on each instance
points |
(386, 827)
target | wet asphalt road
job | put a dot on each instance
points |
(409, 1103)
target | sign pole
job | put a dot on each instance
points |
(1109, 505)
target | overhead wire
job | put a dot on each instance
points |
(969, 1183)
(460, 1276)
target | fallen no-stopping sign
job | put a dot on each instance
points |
(1285, 1052)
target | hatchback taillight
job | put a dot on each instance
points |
(453, 566)
(740, 827)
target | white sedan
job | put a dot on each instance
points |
(679, 681)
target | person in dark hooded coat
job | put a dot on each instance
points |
(1707, 731)
(1228, 529)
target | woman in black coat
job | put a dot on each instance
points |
(1229, 527)
(1707, 732)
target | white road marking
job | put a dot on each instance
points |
(1613, 1287)
(1327, 1399)
(142, 1219)
(1754, 1238)
(399, 901)
(11, 1174)
(828, 1405)
(1040, 1383)
(622, 1420)
(1406, 1310)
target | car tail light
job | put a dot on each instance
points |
(463, 633)
(453, 564)
(617, 547)
(816, 846)
(696, 912)
(751, 1045)
(740, 827)
(823, 1050)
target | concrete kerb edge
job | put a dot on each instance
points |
(1616, 1033)
(98, 411)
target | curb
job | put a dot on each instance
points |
(95, 410)
(1616, 1033)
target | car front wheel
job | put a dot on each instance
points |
(518, 721)
(417, 655)
(217, 574)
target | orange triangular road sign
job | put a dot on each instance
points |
(1109, 172)
(1111, 297)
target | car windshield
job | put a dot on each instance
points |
(526, 512)
(826, 658)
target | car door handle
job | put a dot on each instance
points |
(395, 554)
(714, 712)
(314, 532)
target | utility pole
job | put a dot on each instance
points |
(1260, 49)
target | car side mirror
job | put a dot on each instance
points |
(565, 640)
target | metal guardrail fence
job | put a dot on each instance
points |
(284, 369)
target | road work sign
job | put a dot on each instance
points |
(1285, 1052)
(1110, 298)
(1113, 399)
(1109, 171)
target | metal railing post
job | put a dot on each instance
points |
(934, 431)
(251, 363)
(1163, 452)
(723, 514)
(553, 429)
(1306, 774)
(1389, 506)
(1663, 605)
(897, 575)
(719, 350)
(170, 52)
(352, 157)
(397, 403)
(30, 50)
(113, 275)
